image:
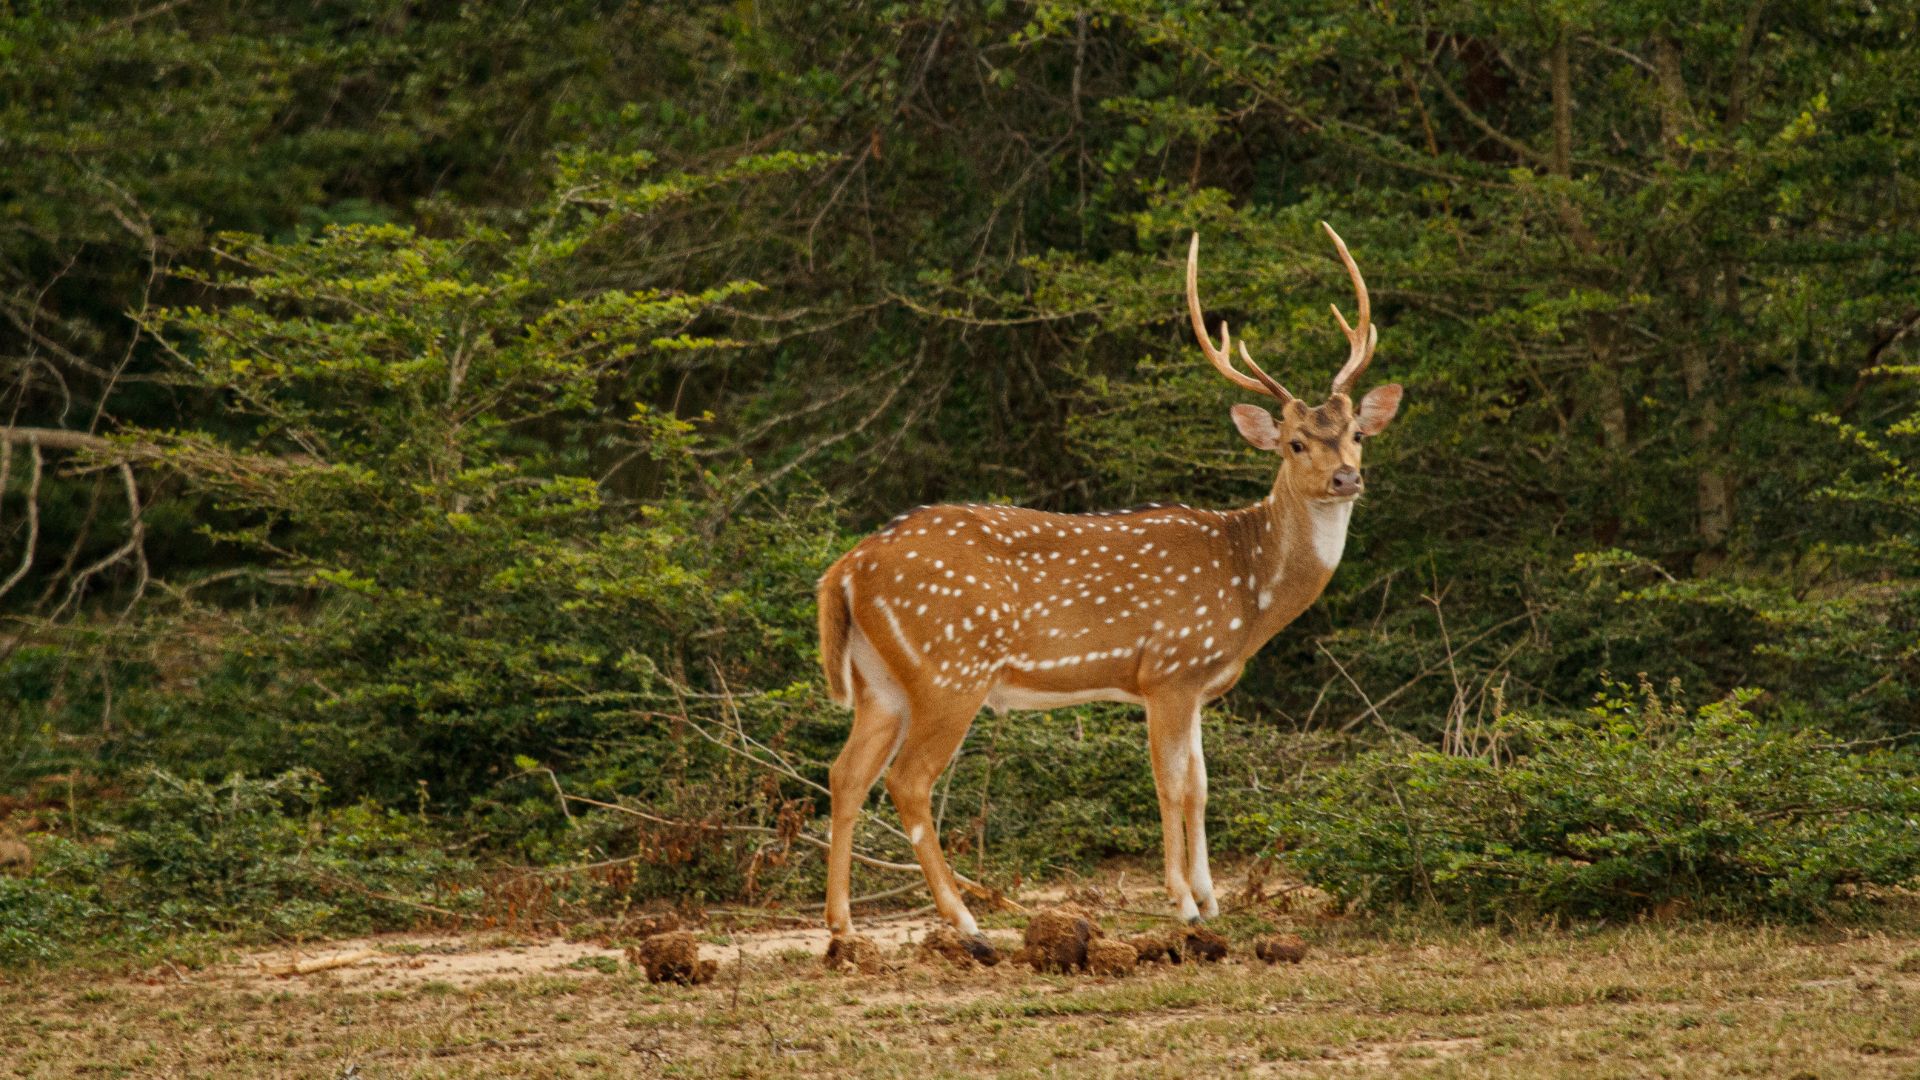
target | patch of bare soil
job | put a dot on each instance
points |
(888, 935)
(400, 961)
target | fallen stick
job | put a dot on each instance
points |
(325, 963)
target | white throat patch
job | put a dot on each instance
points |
(1330, 530)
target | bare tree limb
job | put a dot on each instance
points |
(134, 546)
(33, 521)
(58, 439)
(1526, 153)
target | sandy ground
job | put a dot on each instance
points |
(398, 961)
(395, 961)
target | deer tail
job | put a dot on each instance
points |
(836, 618)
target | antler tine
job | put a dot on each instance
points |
(1221, 357)
(1279, 392)
(1361, 337)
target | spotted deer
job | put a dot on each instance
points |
(952, 607)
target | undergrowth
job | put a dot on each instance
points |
(1638, 806)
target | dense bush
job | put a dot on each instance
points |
(42, 919)
(446, 587)
(460, 401)
(1633, 807)
(261, 857)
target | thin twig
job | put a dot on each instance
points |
(970, 885)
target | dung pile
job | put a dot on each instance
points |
(1057, 939)
(672, 958)
(1155, 948)
(1200, 943)
(946, 943)
(1277, 948)
(1106, 956)
(854, 951)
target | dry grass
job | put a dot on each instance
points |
(1668, 1000)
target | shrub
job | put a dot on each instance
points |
(249, 854)
(246, 857)
(1632, 807)
(40, 918)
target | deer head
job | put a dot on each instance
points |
(1319, 446)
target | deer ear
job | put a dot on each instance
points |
(1256, 426)
(1378, 407)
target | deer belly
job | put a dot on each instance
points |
(1007, 696)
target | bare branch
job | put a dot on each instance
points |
(1521, 150)
(33, 521)
(134, 546)
(57, 439)
(967, 883)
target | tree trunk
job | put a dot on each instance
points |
(1713, 489)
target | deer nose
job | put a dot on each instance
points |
(1346, 481)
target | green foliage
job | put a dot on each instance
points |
(498, 378)
(1623, 256)
(1636, 806)
(253, 857)
(509, 556)
(1607, 256)
(1842, 640)
(41, 920)
(263, 856)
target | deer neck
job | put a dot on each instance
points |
(1295, 544)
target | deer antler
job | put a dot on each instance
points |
(1221, 357)
(1362, 338)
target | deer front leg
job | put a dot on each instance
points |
(1170, 740)
(1199, 874)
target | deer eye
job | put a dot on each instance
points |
(1357, 436)
(1297, 446)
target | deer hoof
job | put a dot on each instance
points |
(982, 950)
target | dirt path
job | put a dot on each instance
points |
(400, 961)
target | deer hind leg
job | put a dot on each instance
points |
(1170, 733)
(880, 720)
(930, 745)
(1199, 874)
